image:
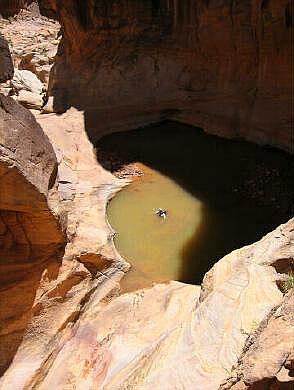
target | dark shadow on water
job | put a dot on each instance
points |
(246, 190)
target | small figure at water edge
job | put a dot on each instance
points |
(161, 213)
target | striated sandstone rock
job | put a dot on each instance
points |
(90, 262)
(166, 337)
(170, 336)
(31, 241)
(129, 342)
(268, 359)
(224, 66)
(61, 314)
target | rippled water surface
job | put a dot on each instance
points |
(219, 195)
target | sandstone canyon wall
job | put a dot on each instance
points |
(217, 64)
(233, 332)
(221, 65)
(55, 244)
(31, 239)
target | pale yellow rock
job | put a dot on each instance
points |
(29, 35)
(26, 80)
(77, 333)
(90, 261)
(171, 336)
(29, 99)
(82, 180)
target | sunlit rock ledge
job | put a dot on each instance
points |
(63, 323)
(168, 336)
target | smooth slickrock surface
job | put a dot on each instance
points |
(166, 337)
(224, 66)
(83, 187)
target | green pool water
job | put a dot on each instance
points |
(219, 194)
(153, 245)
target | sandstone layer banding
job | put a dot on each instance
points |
(31, 240)
(223, 66)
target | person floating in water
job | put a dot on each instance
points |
(161, 213)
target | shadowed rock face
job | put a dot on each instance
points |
(90, 262)
(12, 7)
(6, 65)
(224, 66)
(31, 241)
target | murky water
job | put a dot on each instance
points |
(153, 245)
(219, 194)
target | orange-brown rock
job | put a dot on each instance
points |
(224, 66)
(90, 261)
(169, 336)
(217, 64)
(6, 65)
(31, 241)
